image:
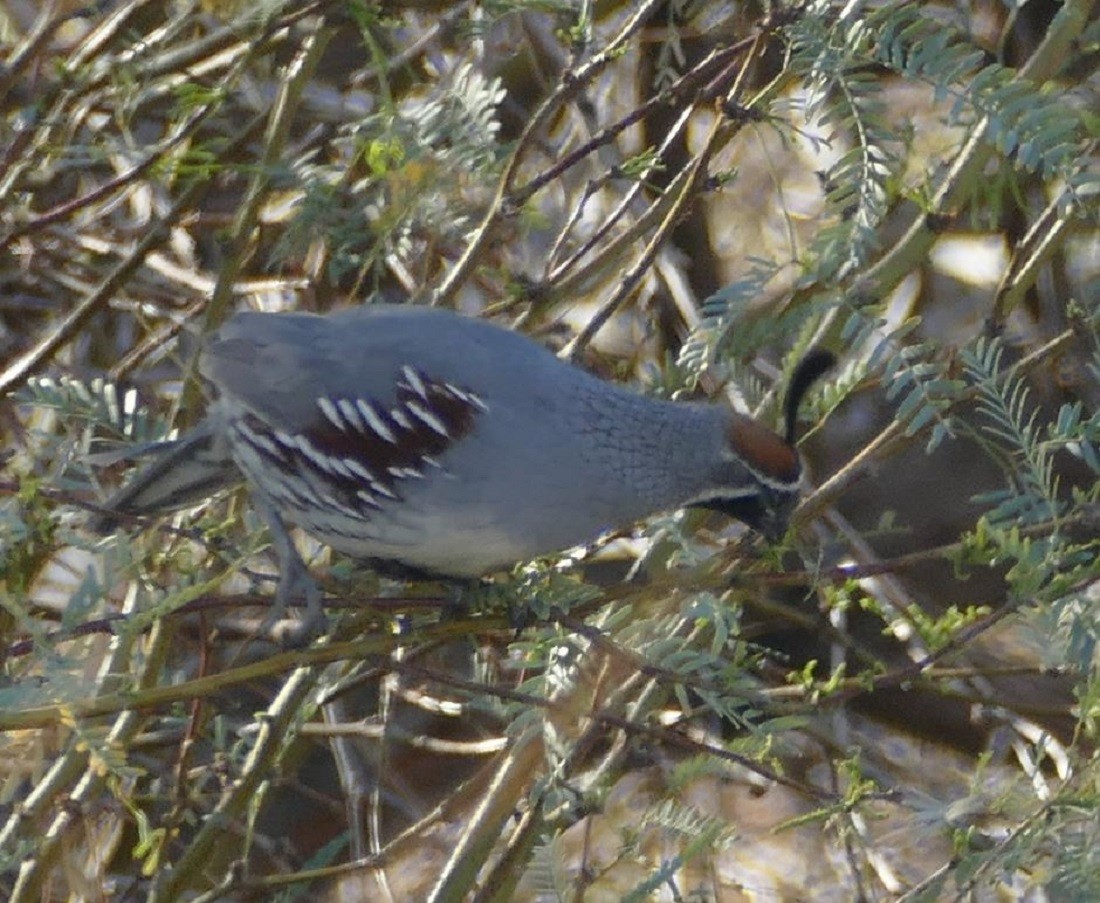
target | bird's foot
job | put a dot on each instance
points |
(290, 632)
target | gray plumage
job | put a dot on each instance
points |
(450, 445)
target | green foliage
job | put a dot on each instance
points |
(731, 328)
(830, 54)
(27, 531)
(938, 632)
(1028, 123)
(1012, 421)
(693, 833)
(401, 171)
(925, 391)
(1028, 524)
(717, 661)
(98, 404)
(1075, 871)
(545, 873)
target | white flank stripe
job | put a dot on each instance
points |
(415, 382)
(304, 495)
(367, 497)
(404, 473)
(258, 439)
(400, 418)
(280, 493)
(376, 423)
(338, 505)
(321, 460)
(351, 415)
(381, 490)
(429, 418)
(358, 469)
(267, 445)
(468, 397)
(339, 465)
(333, 415)
(431, 462)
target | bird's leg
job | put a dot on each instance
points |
(458, 594)
(295, 582)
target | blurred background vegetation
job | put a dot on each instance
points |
(900, 702)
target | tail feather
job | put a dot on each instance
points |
(183, 473)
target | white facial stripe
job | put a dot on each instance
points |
(722, 495)
(773, 483)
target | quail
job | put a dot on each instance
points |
(449, 445)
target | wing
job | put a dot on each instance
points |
(353, 449)
(328, 410)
